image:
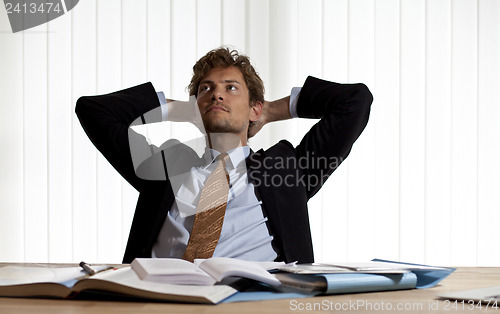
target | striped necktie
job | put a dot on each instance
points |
(210, 212)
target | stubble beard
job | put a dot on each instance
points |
(221, 125)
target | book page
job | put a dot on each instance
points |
(319, 268)
(170, 270)
(314, 268)
(221, 267)
(18, 275)
(265, 265)
(126, 281)
(374, 265)
(270, 265)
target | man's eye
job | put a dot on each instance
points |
(204, 88)
(231, 87)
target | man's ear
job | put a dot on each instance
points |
(255, 110)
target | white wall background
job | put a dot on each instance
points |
(421, 184)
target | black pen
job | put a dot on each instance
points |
(87, 268)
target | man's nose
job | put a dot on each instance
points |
(217, 95)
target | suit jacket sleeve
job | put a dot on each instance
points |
(106, 120)
(344, 110)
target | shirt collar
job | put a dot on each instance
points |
(236, 155)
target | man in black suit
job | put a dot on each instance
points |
(266, 216)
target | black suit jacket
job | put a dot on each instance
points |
(285, 177)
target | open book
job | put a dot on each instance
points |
(202, 272)
(66, 282)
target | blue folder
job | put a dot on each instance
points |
(342, 283)
(426, 278)
(355, 282)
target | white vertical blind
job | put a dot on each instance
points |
(437, 129)
(35, 148)
(464, 131)
(59, 138)
(386, 116)
(12, 141)
(488, 131)
(412, 131)
(421, 183)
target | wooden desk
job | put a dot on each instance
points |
(410, 301)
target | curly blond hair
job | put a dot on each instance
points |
(222, 58)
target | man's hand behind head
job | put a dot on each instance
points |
(255, 126)
(271, 111)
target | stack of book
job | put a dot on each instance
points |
(215, 280)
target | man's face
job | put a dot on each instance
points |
(224, 102)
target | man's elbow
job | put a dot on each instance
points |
(80, 106)
(363, 100)
(364, 95)
(83, 109)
